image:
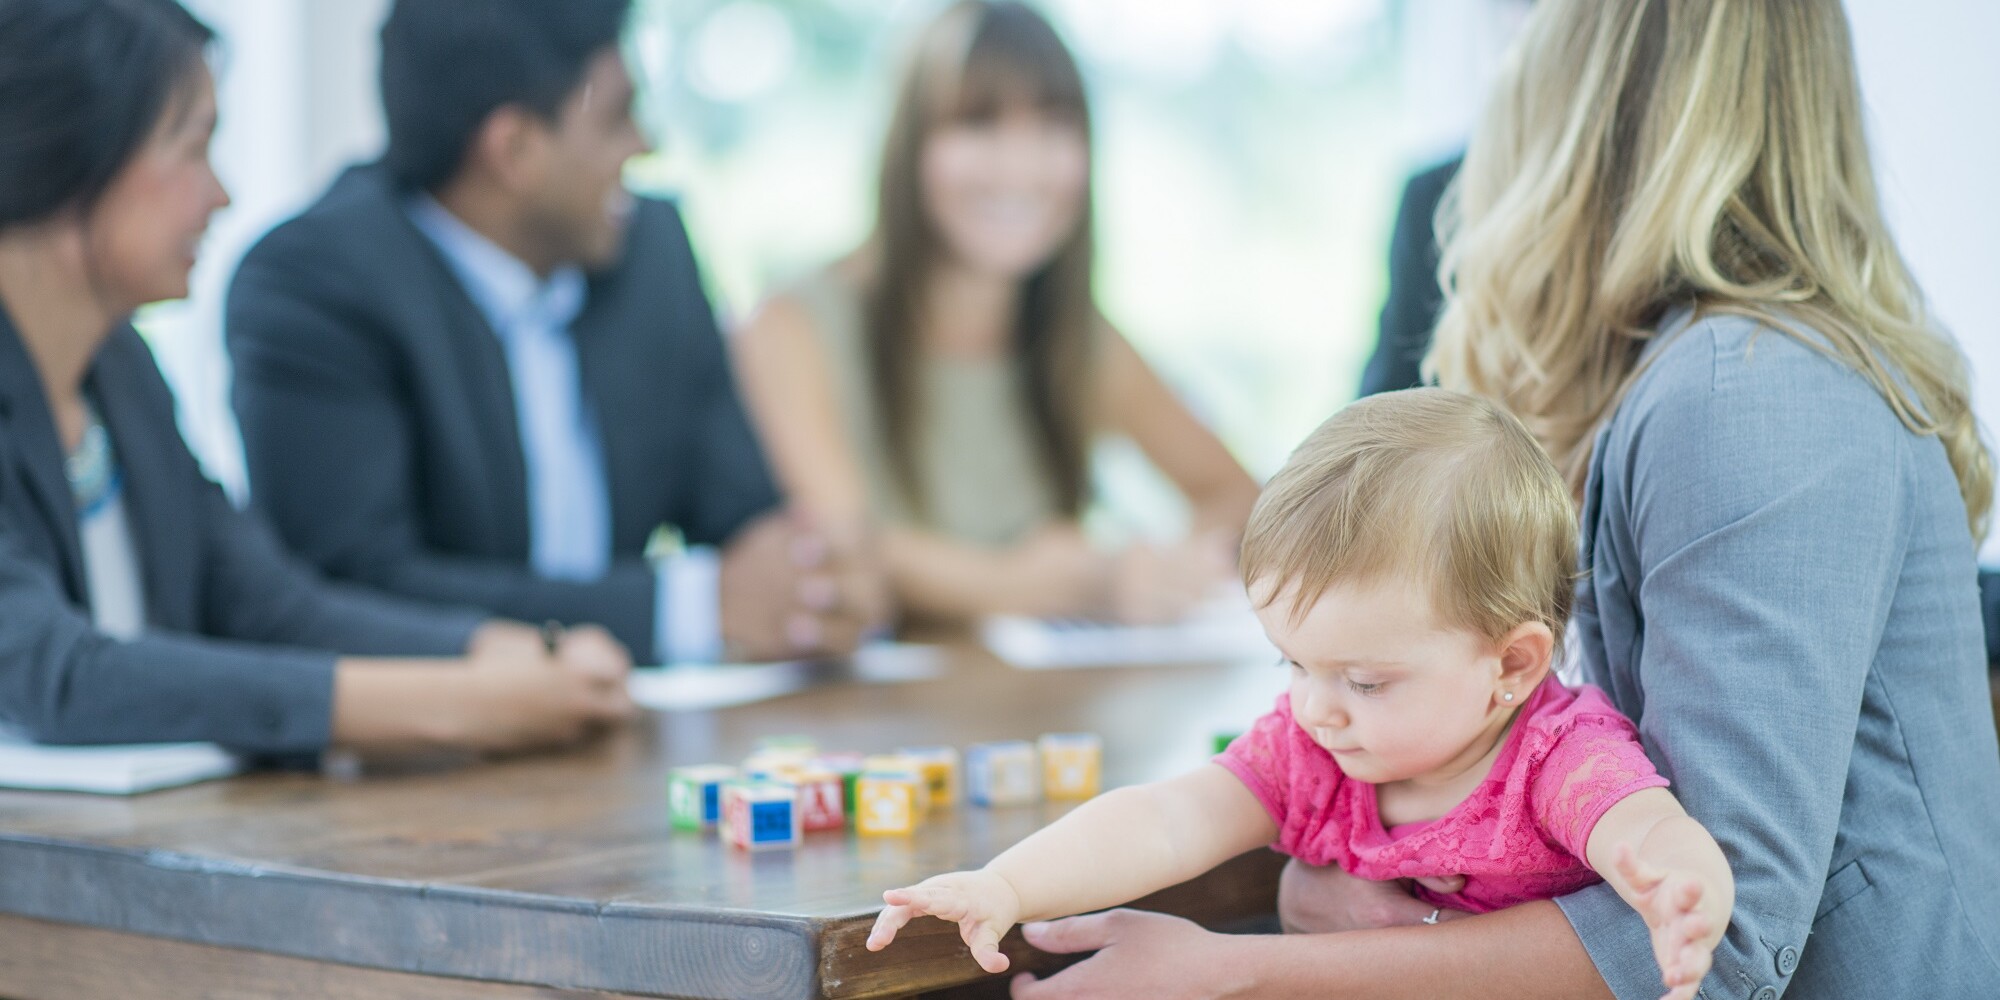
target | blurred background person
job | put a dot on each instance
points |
(480, 371)
(1414, 301)
(136, 605)
(945, 382)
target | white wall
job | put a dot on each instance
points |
(1932, 84)
(296, 90)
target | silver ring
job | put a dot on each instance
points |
(1433, 918)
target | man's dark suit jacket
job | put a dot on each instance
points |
(1415, 300)
(237, 632)
(379, 426)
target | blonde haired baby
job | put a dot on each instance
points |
(1414, 563)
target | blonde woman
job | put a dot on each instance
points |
(1668, 257)
(946, 381)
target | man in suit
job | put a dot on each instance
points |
(1415, 300)
(480, 371)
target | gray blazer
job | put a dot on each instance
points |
(1782, 593)
(240, 640)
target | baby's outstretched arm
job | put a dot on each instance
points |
(1668, 867)
(1111, 850)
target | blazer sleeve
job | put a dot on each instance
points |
(1767, 505)
(63, 682)
(731, 482)
(328, 438)
(255, 591)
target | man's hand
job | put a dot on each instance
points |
(788, 590)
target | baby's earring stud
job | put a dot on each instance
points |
(1506, 696)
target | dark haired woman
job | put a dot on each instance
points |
(135, 604)
(946, 381)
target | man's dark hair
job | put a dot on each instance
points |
(447, 64)
(83, 84)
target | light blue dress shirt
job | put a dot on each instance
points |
(569, 501)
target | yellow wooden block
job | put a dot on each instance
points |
(896, 763)
(1072, 765)
(939, 768)
(887, 804)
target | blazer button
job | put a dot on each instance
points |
(1767, 993)
(1788, 960)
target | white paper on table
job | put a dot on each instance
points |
(689, 687)
(1224, 629)
(109, 770)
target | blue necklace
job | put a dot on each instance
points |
(93, 467)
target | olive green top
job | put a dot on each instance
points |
(978, 467)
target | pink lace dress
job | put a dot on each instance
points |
(1519, 836)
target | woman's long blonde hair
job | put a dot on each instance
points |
(1643, 154)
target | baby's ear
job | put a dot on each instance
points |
(1524, 657)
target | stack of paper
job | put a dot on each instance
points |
(688, 687)
(110, 770)
(1224, 631)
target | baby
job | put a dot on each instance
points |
(1414, 563)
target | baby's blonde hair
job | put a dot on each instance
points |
(1439, 489)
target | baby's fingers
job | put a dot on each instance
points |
(1643, 877)
(892, 920)
(1684, 958)
(983, 937)
(1689, 964)
(945, 904)
(1686, 896)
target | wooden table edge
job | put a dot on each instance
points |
(420, 928)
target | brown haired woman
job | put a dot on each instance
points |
(945, 382)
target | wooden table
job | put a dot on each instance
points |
(558, 876)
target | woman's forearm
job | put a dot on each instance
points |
(1222, 507)
(938, 576)
(394, 705)
(1526, 951)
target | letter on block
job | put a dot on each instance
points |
(694, 795)
(888, 804)
(1003, 774)
(939, 768)
(820, 801)
(1071, 765)
(760, 815)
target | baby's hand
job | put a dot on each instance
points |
(1683, 941)
(983, 905)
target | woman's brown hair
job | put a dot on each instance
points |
(976, 60)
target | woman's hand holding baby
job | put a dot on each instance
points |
(982, 904)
